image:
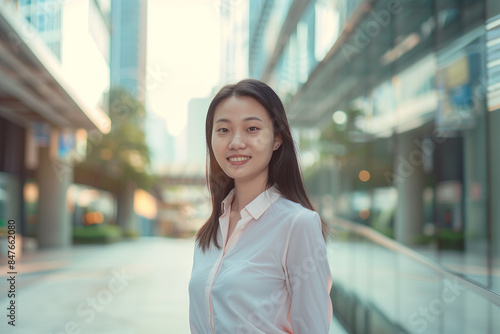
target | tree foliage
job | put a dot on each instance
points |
(123, 153)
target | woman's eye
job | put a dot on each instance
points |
(222, 130)
(253, 127)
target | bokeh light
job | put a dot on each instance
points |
(364, 213)
(364, 175)
(91, 218)
(339, 117)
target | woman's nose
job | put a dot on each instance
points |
(237, 142)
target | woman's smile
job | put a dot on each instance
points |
(237, 160)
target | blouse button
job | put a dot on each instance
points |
(243, 227)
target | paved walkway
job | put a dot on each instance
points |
(130, 287)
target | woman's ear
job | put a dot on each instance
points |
(277, 141)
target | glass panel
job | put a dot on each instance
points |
(462, 184)
(339, 258)
(494, 320)
(361, 267)
(474, 317)
(384, 281)
(418, 290)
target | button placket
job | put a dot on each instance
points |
(218, 264)
(237, 232)
(240, 226)
(226, 247)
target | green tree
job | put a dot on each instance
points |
(123, 154)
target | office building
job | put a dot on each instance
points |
(400, 104)
(44, 116)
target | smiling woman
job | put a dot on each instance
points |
(271, 274)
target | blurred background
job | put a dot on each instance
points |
(394, 107)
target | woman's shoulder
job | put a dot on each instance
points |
(294, 213)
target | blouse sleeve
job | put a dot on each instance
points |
(309, 277)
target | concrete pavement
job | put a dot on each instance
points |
(128, 287)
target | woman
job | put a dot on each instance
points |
(260, 263)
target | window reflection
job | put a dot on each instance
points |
(416, 122)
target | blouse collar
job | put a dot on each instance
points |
(256, 207)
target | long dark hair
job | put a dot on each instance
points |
(284, 171)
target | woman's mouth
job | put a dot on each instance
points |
(238, 160)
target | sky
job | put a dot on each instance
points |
(183, 56)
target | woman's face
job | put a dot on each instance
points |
(243, 139)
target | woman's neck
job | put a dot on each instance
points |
(246, 193)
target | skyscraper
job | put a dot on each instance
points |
(128, 46)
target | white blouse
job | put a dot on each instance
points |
(272, 276)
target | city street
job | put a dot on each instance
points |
(129, 287)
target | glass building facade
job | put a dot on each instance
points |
(46, 18)
(396, 106)
(128, 46)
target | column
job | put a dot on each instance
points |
(409, 181)
(126, 216)
(54, 228)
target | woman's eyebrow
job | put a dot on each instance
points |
(252, 118)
